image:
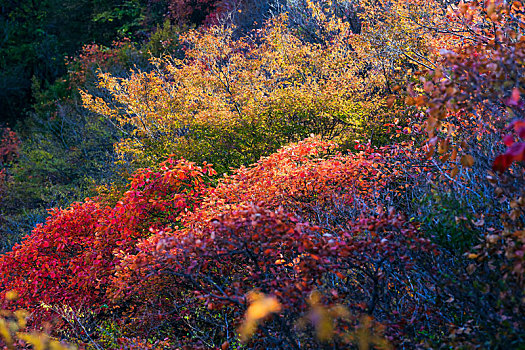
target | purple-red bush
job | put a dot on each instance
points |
(199, 279)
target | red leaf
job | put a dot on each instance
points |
(517, 151)
(514, 97)
(521, 132)
(508, 140)
(502, 163)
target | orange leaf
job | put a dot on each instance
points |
(467, 161)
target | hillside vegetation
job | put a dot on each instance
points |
(293, 174)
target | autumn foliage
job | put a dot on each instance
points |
(78, 246)
(366, 189)
(231, 101)
(221, 245)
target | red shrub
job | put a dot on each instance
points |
(83, 68)
(231, 245)
(173, 253)
(70, 259)
(316, 182)
(194, 278)
(53, 263)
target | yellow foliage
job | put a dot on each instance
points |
(324, 318)
(12, 326)
(231, 101)
(260, 307)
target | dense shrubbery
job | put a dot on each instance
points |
(76, 246)
(399, 224)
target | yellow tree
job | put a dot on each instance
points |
(229, 101)
(232, 100)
